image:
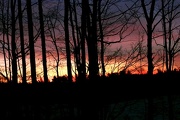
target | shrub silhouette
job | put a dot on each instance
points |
(60, 79)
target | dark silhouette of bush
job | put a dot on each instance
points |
(60, 79)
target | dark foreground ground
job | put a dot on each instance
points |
(109, 98)
(103, 90)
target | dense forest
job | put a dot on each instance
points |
(90, 59)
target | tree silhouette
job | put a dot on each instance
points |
(5, 39)
(91, 17)
(83, 38)
(41, 21)
(8, 39)
(170, 37)
(101, 37)
(149, 21)
(22, 41)
(52, 17)
(76, 41)
(31, 41)
(66, 30)
(13, 42)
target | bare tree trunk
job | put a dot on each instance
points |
(78, 41)
(41, 21)
(76, 45)
(83, 37)
(92, 41)
(149, 20)
(68, 54)
(22, 42)
(102, 39)
(170, 35)
(8, 41)
(13, 42)
(53, 36)
(3, 37)
(31, 42)
(149, 53)
(4, 54)
(165, 35)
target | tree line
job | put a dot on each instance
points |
(78, 31)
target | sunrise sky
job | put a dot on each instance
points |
(125, 47)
